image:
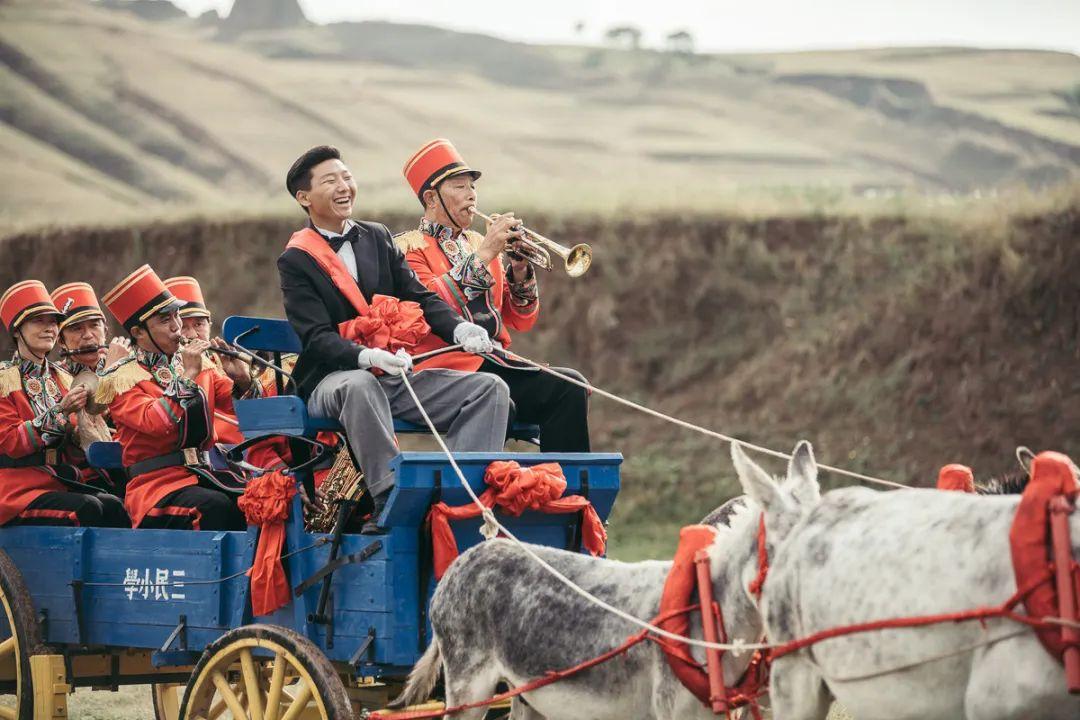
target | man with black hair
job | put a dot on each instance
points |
(331, 271)
(162, 400)
(37, 406)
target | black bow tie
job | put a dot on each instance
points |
(349, 237)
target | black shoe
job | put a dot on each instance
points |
(371, 525)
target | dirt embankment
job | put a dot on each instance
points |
(895, 345)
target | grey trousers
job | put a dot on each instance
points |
(471, 408)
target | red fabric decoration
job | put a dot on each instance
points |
(1051, 475)
(389, 323)
(956, 477)
(679, 593)
(516, 489)
(265, 503)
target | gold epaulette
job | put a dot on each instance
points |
(119, 379)
(410, 240)
(63, 377)
(10, 380)
(474, 238)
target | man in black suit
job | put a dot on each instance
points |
(329, 273)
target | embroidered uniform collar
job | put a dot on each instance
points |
(437, 231)
(31, 368)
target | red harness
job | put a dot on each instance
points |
(1048, 589)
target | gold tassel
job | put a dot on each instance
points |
(10, 380)
(411, 240)
(119, 380)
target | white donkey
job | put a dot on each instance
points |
(862, 556)
(498, 616)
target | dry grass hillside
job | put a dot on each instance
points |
(896, 343)
(106, 115)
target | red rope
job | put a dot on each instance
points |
(762, 558)
(1002, 611)
(551, 677)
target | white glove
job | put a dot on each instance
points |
(390, 363)
(473, 338)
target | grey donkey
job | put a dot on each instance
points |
(498, 616)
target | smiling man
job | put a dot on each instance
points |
(330, 273)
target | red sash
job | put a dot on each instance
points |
(386, 323)
(324, 256)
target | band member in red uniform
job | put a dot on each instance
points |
(37, 470)
(467, 270)
(332, 272)
(197, 324)
(162, 400)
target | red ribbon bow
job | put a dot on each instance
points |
(389, 324)
(265, 503)
(516, 489)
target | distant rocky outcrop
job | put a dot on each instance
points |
(155, 10)
(254, 15)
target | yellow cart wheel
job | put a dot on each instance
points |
(19, 639)
(166, 697)
(264, 672)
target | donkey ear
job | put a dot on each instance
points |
(802, 474)
(1024, 456)
(755, 482)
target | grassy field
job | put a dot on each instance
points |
(125, 119)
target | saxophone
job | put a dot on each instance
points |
(344, 482)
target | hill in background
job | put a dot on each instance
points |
(120, 109)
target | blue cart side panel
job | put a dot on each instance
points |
(136, 583)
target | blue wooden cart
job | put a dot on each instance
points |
(95, 607)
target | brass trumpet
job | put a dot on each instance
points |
(538, 250)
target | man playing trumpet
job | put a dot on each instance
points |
(467, 271)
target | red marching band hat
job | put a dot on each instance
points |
(77, 302)
(432, 164)
(23, 301)
(138, 296)
(187, 289)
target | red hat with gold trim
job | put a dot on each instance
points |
(138, 296)
(433, 163)
(187, 289)
(23, 301)
(77, 302)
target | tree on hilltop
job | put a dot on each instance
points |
(680, 42)
(626, 36)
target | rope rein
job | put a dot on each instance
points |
(696, 428)
(492, 523)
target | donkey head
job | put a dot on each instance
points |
(783, 503)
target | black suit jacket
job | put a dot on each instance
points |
(315, 307)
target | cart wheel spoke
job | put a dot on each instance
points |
(8, 713)
(251, 685)
(277, 684)
(228, 695)
(299, 703)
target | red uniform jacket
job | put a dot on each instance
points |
(274, 453)
(226, 429)
(18, 438)
(432, 266)
(149, 424)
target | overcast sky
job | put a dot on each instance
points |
(727, 25)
